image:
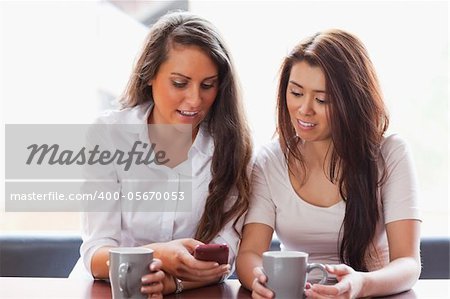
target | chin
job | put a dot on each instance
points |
(307, 138)
(184, 128)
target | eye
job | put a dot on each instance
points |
(208, 85)
(296, 93)
(179, 84)
(320, 101)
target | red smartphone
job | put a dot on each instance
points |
(212, 252)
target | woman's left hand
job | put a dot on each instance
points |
(350, 283)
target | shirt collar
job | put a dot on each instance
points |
(137, 117)
(204, 143)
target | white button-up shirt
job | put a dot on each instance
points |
(115, 228)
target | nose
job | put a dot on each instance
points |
(193, 97)
(306, 107)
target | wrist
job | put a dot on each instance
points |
(365, 284)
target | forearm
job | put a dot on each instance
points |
(245, 263)
(99, 263)
(400, 275)
(255, 241)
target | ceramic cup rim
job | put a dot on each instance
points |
(285, 254)
(131, 250)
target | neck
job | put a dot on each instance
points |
(170, 133)
(175, 141)
(316, 153)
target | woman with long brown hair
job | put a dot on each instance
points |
(332, 184)
(184, 76)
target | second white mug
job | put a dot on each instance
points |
(287, 272)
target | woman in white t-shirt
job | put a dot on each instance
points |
(332, 185)
(184, 76)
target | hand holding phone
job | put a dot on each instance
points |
(212, 252)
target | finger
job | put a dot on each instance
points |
(155, 288)
(199, 275)
(258, 273)
(191, 262)
(343, 286)
(155, 296)
(217, 272)
(196, 275)
(340, 288)
(338, 269)
(190, 244)
(153, 277)
(155, 265)
(314, 295)
(325, 290)
(255, 295)
(261, 290)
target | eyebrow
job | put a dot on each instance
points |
(189, 78)
(299, 85)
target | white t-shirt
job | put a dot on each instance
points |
(305, 227)
(126, 229)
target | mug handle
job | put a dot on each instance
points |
(123, 270)
(321, 268)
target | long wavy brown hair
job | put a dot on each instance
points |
(358, 120)
(226, 121)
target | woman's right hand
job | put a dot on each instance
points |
(152, 284)
(178, 261)
(259, 290)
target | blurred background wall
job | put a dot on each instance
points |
(66, 61)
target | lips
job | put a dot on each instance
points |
(305, 124)
(188, 113)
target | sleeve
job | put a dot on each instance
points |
(400, 192)
(262, 209)
(101, 219)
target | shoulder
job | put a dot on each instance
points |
(109, 124)
(394, 146)
(131, 115)
(269, 154)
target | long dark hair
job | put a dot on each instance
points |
(358, 120)
(226, 121)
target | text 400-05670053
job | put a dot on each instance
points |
(137, 195)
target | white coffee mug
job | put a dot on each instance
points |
(287, 272)
(127, 265)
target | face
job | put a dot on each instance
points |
(184, 88)
(307, 102)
